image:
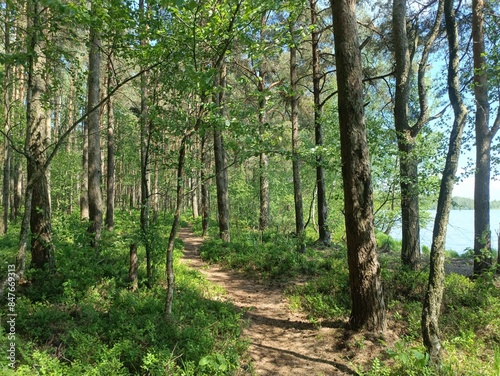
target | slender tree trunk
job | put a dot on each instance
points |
(18, 191)
(410, 222)
(4, 219)
(94, 137)
(368, 308)
(84, 183)
(156, 193)
(221, 178)
(7, 96)
(294, 107)
(482, 231)
(194, 196)
(263, 191)
(133, 274)
(174, 230)
(145, 144)
(42, 255)
(145, 178)
(110, 171)
(324, 232)
(433, 298)
(204, 188)
(263, 158)
(263, 165)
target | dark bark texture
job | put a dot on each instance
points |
(368, 308)
(42, 254)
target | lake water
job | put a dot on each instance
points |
(460, 233)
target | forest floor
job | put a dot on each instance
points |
(283, 341)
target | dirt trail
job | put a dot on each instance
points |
(282, 342)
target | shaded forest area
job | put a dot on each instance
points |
(293, 136)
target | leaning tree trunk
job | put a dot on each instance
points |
(324, 232)
(433, 297)
(368, 309)
(174, 230)
(94, 137)
(294, 108)
(482, 231)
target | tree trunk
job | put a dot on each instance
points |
(263, 191)
(263, 163)
(156, 193)
(42, 255)
(434, 294)
(145, 143)
(410, 222)
(204, 188)
(110, 171)
(410, 218)
(145, 178)
(482, 231)
(84, 183)
(263, 158)
(174, 230)
(7, 95)
(324, 232)
(193, 186)
(133, 274)
(406, 134)
(294, 107)
(221, 178)
(94, 137)
(18, 190)
(368, 309)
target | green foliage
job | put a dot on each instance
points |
(269, 254)
(326, 296)
(85, 321)
(410, 361)
(387, 243)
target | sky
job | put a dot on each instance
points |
(466, 189)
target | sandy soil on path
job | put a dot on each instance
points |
(282, 342)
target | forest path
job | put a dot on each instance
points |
(282, 342)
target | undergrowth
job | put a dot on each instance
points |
(470, 320)
(84, 319)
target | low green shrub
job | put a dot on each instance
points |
(83, 319)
